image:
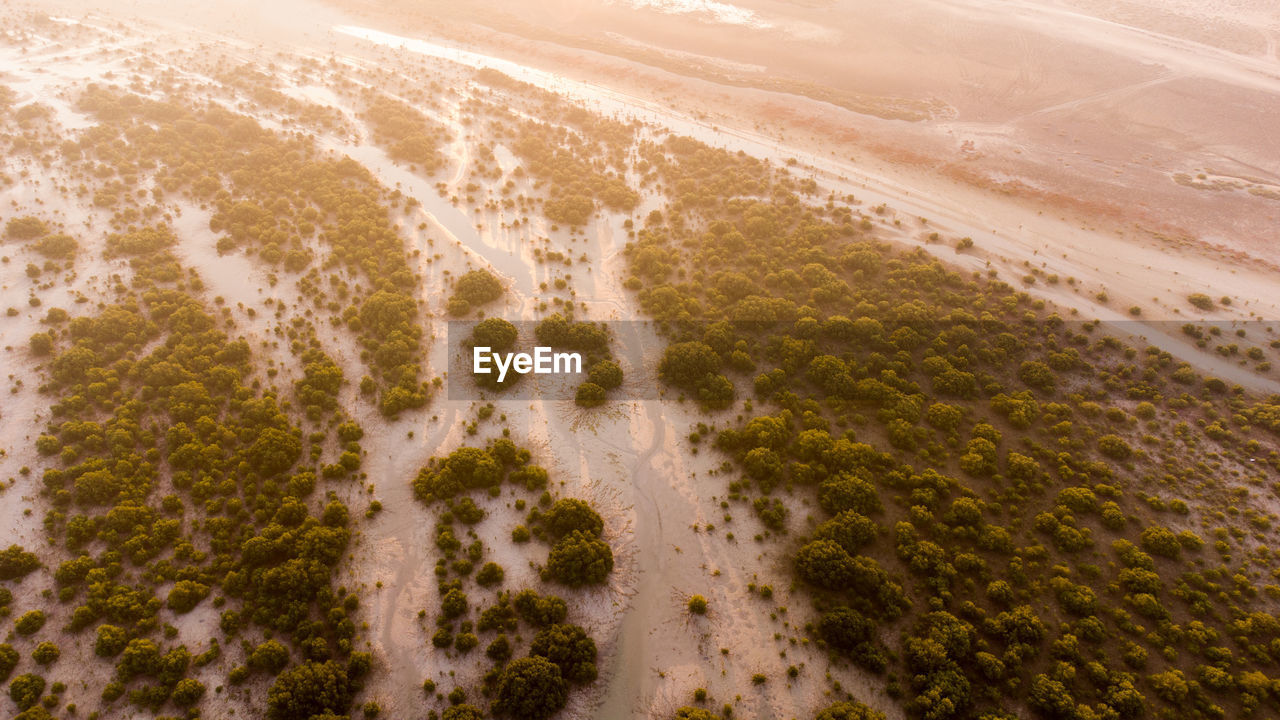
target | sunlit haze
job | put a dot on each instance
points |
(640, 360)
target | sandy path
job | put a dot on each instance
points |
(396, 555)
(627, 688)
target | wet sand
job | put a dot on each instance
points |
(634, 463)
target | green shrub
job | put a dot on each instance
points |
(46, 653)
(697, 605)
(590, 395)
(569, 515)
(16, 562)
(491, 574)
(185, 595)
(30, 622)
(187, 692)
(580, 559)
(465, 642)
(58, 246)
(1201, 301)
(1161, 541)
(530, 688)
(41, 344)
(25, 228)
(453, 603)
(309, 689)
(476, 288)
(495, 333)
(462, 712)
(540, 610)
(606, 374)
(570, 648)
(1037, 375)
(1114, 447)
(8, 660)
(499, 650)
(25, 690)
(270, 657)
(110, 642)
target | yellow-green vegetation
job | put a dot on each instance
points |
(275, 197)
(561, 654)
(472, 290)
(580, 156)
(1201, 301)
(407, 134)
(1035, 516)
(592, 341)
(172, 484)
(25, 228)
(263, 89)
(983, 509)
(697, 605)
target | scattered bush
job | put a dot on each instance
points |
(30, 622)
(580, 559)
(530, 688)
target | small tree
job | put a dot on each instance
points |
(46, 653)
(530, 688)
(697, 605)
(16, 562)
(686, 365)
(187, 692)
(1037, 375)
(310, 689)
(491, 574)
(454, 603)
(570, 648)
(185, 595)
(30, 622)
(499, 650)
(605, 373)
(1161, 541)
(1201, 301)
(570, 514)
(590, 395)
(495, 333)
(25, 690)
(475, 288)
(1114, 447)
(111, 640)
(825, 564)
(538, 609)
(270, 656)
(8, 660)
(25, 228)
(41, 344)
(845, 629)
(580, 559)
